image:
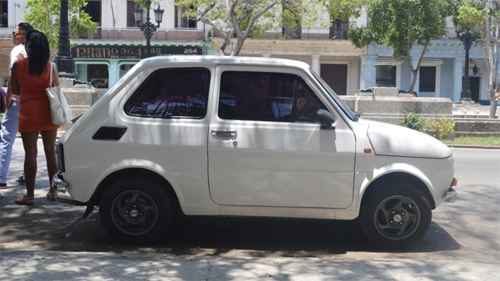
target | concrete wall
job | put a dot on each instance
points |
(386, 106)
(469, 119)
(6, 46)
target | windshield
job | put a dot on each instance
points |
(345, 108)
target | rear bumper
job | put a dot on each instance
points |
(58, 183)
(61, 186)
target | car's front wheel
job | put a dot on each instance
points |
(395, 216)
(135, 210)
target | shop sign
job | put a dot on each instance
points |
(130, 52)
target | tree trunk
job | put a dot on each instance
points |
(413, 80)
(493, 108)
(490, 53)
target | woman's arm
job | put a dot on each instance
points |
(55, 74)
(13, 88)
(3, 102)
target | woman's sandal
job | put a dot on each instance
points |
(23, 200)
(52, 196)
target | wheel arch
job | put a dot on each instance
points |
(138, 172)
(381, 181)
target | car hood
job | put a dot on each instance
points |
(394, 140)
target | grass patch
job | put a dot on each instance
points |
(473, 140)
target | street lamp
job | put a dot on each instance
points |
(466, 38)
(64, 61)
(148, 28)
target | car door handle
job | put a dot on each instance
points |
(225, 134)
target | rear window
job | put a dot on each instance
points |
(171, 93)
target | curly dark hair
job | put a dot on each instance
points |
(24, 27)
(38, 51)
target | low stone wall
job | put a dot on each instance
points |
(463, 126)
(477, 127)
(388, 105)
(390, 108)
(399, 105)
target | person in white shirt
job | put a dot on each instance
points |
(9, 121)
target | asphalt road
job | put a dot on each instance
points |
(467, 230)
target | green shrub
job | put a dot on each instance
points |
(439, 129)
(412, 121)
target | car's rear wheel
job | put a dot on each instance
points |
(135, 210)
(395, 216)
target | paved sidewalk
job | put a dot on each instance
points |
(57, 265)
(16, 265)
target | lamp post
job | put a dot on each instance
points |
(148, 28)
(63, 60)
(466, 38)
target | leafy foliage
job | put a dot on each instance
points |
(412, 121)
(237, 20)
(470, 15)
(345, 9)
(44, 15)
(401, 24)
(439, 129)
(483, 17)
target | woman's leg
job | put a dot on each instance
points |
(30, 165)
(49, 141)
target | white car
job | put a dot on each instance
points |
(240, 136)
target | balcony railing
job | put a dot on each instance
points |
(338, 31)
(135, 34)
(192, 34)
(306, 33)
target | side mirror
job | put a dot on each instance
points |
(325, 118)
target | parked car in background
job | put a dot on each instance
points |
(240, 136)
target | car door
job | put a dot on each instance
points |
(262, 153)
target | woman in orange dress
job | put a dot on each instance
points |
(30, 78)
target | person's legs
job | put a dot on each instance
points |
(49, 140)
(30, 164)
(8, 136)
(20, 180)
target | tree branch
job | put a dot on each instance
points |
(256, 16)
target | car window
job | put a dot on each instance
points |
(171, 93)
(266, 96)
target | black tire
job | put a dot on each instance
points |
(135, 210)
(395, 216)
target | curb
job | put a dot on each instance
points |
(473, 146)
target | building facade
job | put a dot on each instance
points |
(107, 54)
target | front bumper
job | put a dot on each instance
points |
(451, 193)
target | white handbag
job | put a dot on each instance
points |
(60, 112)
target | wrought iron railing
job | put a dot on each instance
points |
(338, 31)
(135, 34)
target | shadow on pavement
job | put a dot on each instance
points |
(55, 226)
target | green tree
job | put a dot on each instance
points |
(44, 16)
(401, 24)
(483, 17)
(237, 20)
(345, 10)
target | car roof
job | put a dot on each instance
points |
(233, 60)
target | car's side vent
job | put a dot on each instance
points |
(109, 133)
